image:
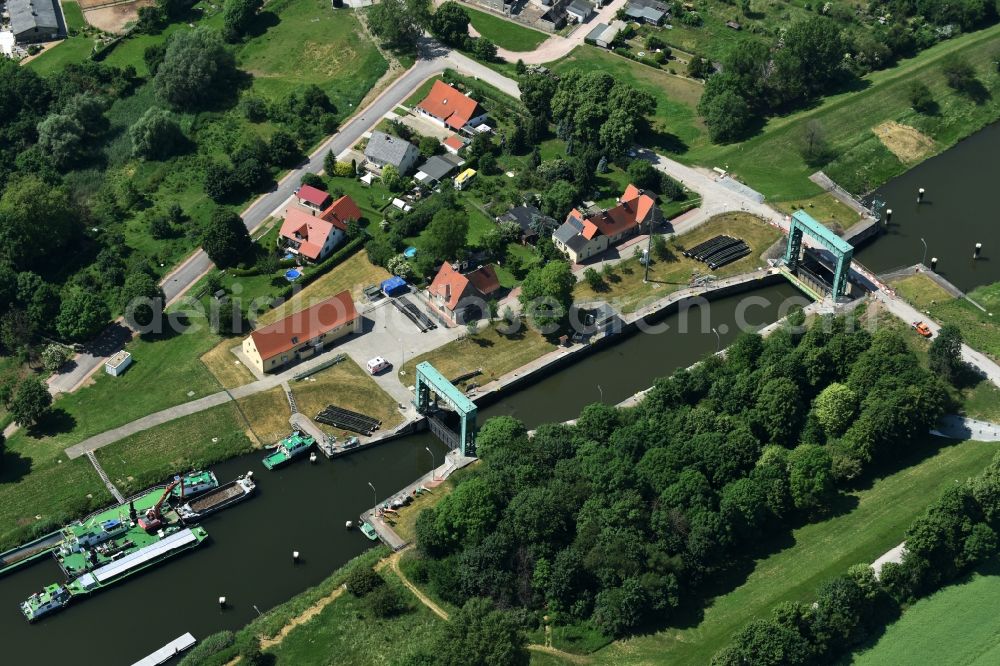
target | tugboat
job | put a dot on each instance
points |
(194, 484)
(291, 447)
(227, 495)
(54, 597)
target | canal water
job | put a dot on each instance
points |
(248, 558)
(960, 209)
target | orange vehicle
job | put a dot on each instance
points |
(922, 328)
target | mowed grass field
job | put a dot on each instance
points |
(872, 520)
(980, 330)
(494, 353)
(771, 162)
(921, 291)
(195, 441)
(957, 626)
(505, 34)
(345, 385)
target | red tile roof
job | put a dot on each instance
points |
(454, 142)
(451, 285)
(286, 334)
(341, 212)
(309, 231)
(450, 106)
(633, 208)
(313, 195)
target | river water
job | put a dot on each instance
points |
(958, 211)
(248, 557)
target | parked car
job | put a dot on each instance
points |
(377, 365)
(922, 328)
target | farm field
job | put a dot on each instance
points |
(957, 625)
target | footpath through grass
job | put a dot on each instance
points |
(871, 520)
(957, 625)
(505, 34)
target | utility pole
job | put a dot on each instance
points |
(649, 253)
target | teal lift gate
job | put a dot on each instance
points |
(430, 380)
(841, 250)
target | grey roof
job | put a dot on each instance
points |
(437, 167)
(26, 15)
(581, 7)
(596, 33)
(387, 149)
(646, 9)
(570, 236)
(524, 216)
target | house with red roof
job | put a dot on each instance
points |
(449, 108)
(312, 197)
(585, 235)
(303, 334)
(461, 298)
(455, 144)
(314, 236)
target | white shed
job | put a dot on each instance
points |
(117, 364)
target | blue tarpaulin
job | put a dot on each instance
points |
(394, 286)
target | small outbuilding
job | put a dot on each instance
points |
(395, 286)
(117, 364)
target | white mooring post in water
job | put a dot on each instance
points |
(933, 263)
(979, 248)
(920, 195)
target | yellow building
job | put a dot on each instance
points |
(302, 334)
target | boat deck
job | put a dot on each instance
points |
(23, 554)
(216, 497)
(168, 651)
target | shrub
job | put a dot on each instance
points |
(362, 581)
(313, 180)
(385, 601)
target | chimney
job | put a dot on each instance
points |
(447, 292)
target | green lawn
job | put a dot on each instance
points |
(957, 625)
(164, 373)
(628, 289)
(73, 15)
(980, 329)
(69, 50)
(770, 161)
(154, 455)
(347, 632)
(874, 520)
(921, 291)
(505, 34)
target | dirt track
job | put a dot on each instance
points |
(112, 18)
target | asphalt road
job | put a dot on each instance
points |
(434, 60)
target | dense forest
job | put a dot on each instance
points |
(621, 518)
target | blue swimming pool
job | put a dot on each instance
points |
(410, 252)
(292, 275)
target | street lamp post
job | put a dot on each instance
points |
(923, 261)
(373, 493)
(718, 340)
(433, 466)
(601, 392)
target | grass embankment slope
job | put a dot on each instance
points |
(873, 520)
(627, 289)
(771, 162)
(505, 34)
(345, 385)
(957, 625)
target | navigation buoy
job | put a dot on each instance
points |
(222, 602)
(933, 263)
(295, 556)
(349, 525)
(979, 248)
(920, 195)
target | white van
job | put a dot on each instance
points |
(377, 365)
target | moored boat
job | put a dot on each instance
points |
(53, 598)
(369, 531)
(194, 484)
(218, 499)
(288, 449)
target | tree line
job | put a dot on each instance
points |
(619, 520)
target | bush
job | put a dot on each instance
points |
(54, 355)
(207, 647)
(362, 581)
(312, 180)
(385, 601)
